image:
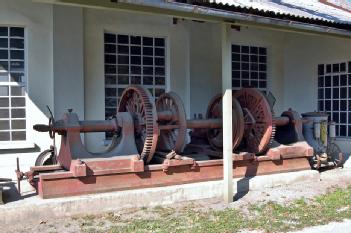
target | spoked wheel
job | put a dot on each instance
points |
(140, 104)
(47, 157)
(214, 111)
(259, 133)
(335, 154)
(174, 134)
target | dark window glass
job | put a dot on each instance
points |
(159, 42)
(135, 40)
(321, 81)
(236, 57)
(342, 67)
(3, 31)
(148, 51)
(253, 50)
(123, 39)
(17, 32)
(245, 49)
(159, 52)
(123, 49)
(110, 38)
(135, 69)
(148, 41)
(336, 68)
(320, 69)
(135, 50)
(236, 65)
(4, 43)
(18, 102)
(343, 80)
(160, 81)
(335, 81)
(328, 68)
(235, 48)
(123, 79)
(4, 136)
(123, 60)
(110, 48)
(328, 93)
(110, 79)
(4, 124)
(17, 43)
(262, 51)
(4, 54)
(110, 59)
(253, 58)
(136, 80)
(19, 124)
(18, 136)
(17, 66)
(328, 81)
(148, 80)
(320, 93)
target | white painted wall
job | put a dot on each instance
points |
(302, 55)
(37, 19)
(68, 57)
(205, 67)
(98, 21)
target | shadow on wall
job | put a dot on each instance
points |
(25, 150)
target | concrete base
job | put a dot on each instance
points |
(35, 209)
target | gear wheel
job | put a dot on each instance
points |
(139, 102)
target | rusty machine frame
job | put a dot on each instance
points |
(149, 147)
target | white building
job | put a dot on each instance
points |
(70, 54)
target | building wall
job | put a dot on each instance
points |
(68, 58)
(37, 19)
(96, 22)
(205, 58)
(302, 54)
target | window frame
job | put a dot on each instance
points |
(342, 86)
(166, 67)
(266, 63)
(15, 144)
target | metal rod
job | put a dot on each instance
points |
(165, 115)
(281, 121)
(204, 123)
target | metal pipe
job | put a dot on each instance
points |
(204, 124)
(281, 121)
(165, 115)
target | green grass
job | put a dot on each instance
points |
(268, 217)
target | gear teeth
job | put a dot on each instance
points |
(151, 128)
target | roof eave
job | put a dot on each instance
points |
(194, 12)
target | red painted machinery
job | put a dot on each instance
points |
(149, 147)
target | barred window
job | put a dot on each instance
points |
(12, 84)
(249, 67)
(334, 95)
(133, 60)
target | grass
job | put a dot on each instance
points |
(268, 217)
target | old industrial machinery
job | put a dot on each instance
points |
(149, 147)
(326, 151)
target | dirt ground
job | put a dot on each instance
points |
(330, 180)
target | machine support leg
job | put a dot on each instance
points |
(227, 114)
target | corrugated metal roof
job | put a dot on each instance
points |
(306, 11)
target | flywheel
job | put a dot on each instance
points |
(259, 132)
(214, 111)
(139, 102)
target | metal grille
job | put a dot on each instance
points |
(249, 67)
(12, 84)
(334, 95)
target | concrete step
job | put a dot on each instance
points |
(35, 209)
